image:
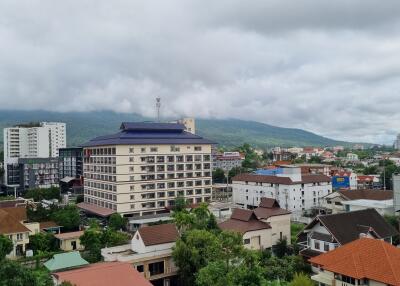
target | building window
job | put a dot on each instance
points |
(132, 206)
(197, 148)
(326, 246)
(131, 149)
(139, 268)
(246, 241)
(156, 268)
(153, 149)
(143, 150)
(316, 244)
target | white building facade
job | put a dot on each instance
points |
(293, 191)
(38, 140)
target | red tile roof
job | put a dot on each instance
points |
(104, 274)
(377, 195)
(158, 234)
(269, 203)
(364, 258)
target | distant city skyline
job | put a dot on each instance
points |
(327, 67)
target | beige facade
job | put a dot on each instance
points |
(280, 228)
(20, 242)
(145, 179)
(71, 244)
(258, 239)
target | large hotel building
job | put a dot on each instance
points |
(142, 169)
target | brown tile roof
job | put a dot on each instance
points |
(103, 212)
(47, 224)
(347, 227)
(104, 274)
(264, 213)
(158, 234)
(262, 179)
(8, 224)
(306, 179)
(243, 221)
(69, 235)
(269, 203)
(19, 213)
(368, 258)
(377, 195)
(11, 203)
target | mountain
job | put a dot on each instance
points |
(82, 126)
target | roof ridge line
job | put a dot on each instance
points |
(389, 261)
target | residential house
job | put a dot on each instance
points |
(256, 234)
(102, 274)
(69, 241)
(327, 232)
(65, 261)
(364, 261)
(261, 228)
(368, 182)
(350, 200)
(150, 252)
(344, 180)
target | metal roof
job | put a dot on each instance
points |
(142, 133)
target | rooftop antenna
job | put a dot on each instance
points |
(158, 106)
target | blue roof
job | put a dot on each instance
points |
(144, 133)
(271, 172)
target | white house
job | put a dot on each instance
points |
(291, 189)
(150, 252)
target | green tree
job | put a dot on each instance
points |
(111, 238)
(92, 241)
(394, 222)
(370, 170)
(194, 251)
(68, 217)
(117, 222)
(301, 280)
(180, 204)
(218, 175)
(12, 273)
(235, 171)
(284, 268)
(43, 242)
(281, 248)
(6, 246)
(43, 194)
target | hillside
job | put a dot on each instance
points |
(82, 126)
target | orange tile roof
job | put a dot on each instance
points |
(104, 274)
(159, 234)
(364, 258)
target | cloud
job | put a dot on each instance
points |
(331, 67)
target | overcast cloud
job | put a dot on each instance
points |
(331, 67)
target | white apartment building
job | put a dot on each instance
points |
(291, 189)
(142, 169)
(37, 140)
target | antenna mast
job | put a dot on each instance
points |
(158, 106)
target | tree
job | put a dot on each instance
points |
(117, 222)
(394, 222)
(218, 175)
(43, 194)
(6, 246)
(235, 171)
(91, 240)
(43, 242)
(194, 251)
(180, 204)
(68, 217)
(280, 248)
(284, 268)
(301, 280)
(12, 273)
(111, 238)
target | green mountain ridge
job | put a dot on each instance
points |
(82, 126)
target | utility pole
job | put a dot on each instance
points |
(384, 176)
(158, 106)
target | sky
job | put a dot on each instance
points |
(330, 67)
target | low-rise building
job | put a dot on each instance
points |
(291, 189)
(352, 157)
(368, 182)
(102, 274)
(336, 201)
(327, 232)
(65, 261)
(261, 228)
(364, 261)
(69, 241)
(150, 252)
(344, 180)
(38, 172)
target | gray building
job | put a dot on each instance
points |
(38, 172)
(70, 162)
(396, 192)
(227, 160)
